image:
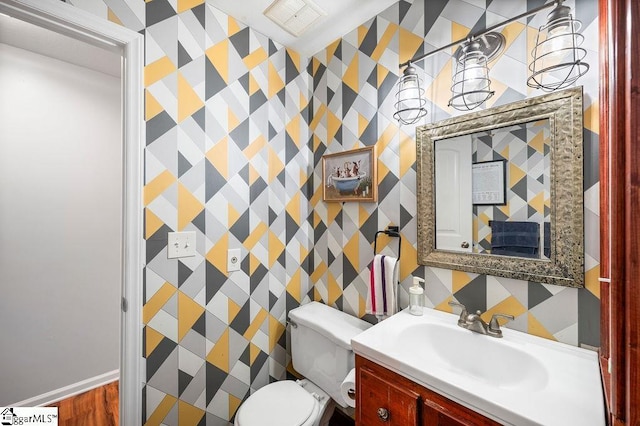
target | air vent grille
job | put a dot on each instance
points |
(294, 16)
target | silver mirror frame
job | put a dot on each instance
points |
(564, 110)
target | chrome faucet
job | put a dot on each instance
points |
(475, 323)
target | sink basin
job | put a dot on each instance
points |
(473, 355)
(519, 379)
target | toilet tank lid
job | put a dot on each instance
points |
(336, 325)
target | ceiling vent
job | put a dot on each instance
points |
(294, 16)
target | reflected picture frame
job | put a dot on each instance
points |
(489, 183)
(350, 176)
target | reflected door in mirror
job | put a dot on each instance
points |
(454, 213)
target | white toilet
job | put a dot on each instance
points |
(321, 352)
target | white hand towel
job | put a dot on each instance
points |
(383, 279)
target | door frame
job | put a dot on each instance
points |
(81, 25)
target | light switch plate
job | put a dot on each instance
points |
(233, 260)
(181, 244)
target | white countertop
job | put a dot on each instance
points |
(557, 384)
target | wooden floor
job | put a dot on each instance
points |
(97, 407)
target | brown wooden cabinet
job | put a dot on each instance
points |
(386, 398)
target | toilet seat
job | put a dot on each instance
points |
(283, 403)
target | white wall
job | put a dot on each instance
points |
(60, 224)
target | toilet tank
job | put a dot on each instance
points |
(321, 345)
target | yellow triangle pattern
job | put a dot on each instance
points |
(362, 124)
(151, 106)
(254, 263)
(350, 77)
(188, 313)
(409, 259)
(188, 207)
(331, 49)
(294, 287)
(352, 251)
(510, 306)
(409, 44)
(592, 117)
(515, 174)
(293, 208)
(537, 329)
(219, 355)
(276, 83)
(382, 45)
(334, 290)
(254, 351)
(537, 142)
(163, 409)
(255, 324)
(295, 58)
(255, 235)
(592, 281)
(188, 414)
(219, 158)
(158, 70)
(333, 210)
(459, 280)
(255, 58)
(293, 130)
(157, 186)
(152, 340)
(232, 215)
(333, 125)
(318, 272)
(233, 26)
(184, 5)
(217, 256)
(218, 55)
(276, 166)
(232, 310)
(381, 73)
(157, 301)
(276, 247)
(407, 153)
(255, 147)
(152, 223)
(537, 202)
(111, 16)
(276, 328)
(234, 404)
(188, 100)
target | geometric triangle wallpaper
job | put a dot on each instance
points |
(236, 127)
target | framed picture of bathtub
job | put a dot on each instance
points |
(350, 176)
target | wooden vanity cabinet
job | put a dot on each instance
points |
(386, 398)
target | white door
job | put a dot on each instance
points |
(454, 211)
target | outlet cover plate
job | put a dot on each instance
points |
(181, 244)
(233, 260)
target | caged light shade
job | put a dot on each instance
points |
(557, 56)
(410, 102)
(471, 84)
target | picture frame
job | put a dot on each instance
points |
(350, 176)
(489, 183)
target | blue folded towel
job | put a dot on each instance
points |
(514, 238)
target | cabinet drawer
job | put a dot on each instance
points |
(380, 402)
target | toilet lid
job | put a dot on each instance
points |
(278, 404)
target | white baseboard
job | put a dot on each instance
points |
(69, 391)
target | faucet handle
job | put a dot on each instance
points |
(494, 325)
(463, 314)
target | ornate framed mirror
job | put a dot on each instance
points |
(500, 191)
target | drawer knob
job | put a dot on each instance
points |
(383, 413)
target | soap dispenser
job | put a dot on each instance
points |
(416, 297)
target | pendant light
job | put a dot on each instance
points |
(557, 57)
(471, 84)
(410, 102)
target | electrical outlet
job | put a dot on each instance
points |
(233, 260)
(181, 244)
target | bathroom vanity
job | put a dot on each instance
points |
(426, 370)
(387, 398)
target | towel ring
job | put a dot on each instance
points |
(391, 231)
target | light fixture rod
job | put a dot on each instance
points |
(483, 32)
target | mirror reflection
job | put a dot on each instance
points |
(492, 191)
(500, 191)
